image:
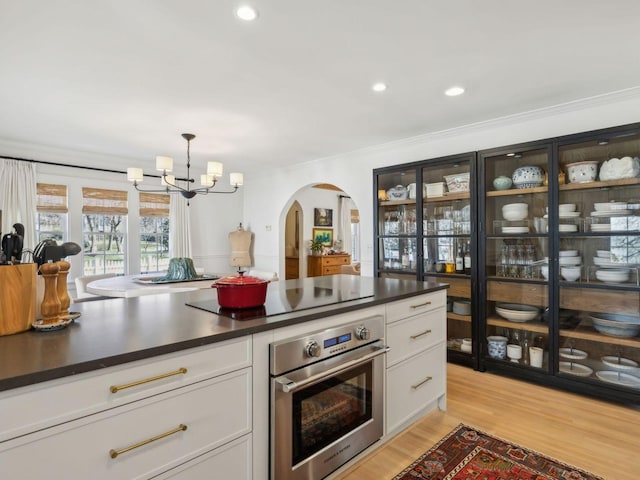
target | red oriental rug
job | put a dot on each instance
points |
(469, 454)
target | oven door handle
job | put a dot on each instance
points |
(287, 385)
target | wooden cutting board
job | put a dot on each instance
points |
(17, 297)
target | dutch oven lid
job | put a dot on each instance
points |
(240, 280)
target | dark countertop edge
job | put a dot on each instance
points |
(241, 328)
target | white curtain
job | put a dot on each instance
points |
(18, 197)
(344, 222)
(179, 228)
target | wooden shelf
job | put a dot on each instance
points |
(537, 327)
(517, 191)
(608, 184)
(392, 203)
(448, 197)
(588, 333)
(455, 316)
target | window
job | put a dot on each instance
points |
(104, 215)
(154, 232)
(51, 216)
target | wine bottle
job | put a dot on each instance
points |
(467, 259)
(460, 260)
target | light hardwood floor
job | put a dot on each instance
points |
(600, 437)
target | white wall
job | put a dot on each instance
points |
(267, 198)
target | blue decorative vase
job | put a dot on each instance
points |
(502, 183)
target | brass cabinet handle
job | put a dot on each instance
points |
(417, 335)
(115, 453)
(117, 388)
(420, 305)
(419, 384)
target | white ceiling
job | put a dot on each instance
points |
(126, 78)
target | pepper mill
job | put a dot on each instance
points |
(50, 307)
(63, 294)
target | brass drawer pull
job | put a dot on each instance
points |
(420, 305)
(117, 388)
(418, 335)
(418, 385)
(115, 453)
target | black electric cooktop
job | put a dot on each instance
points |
(288, 297)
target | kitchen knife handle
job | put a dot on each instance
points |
(117, 388)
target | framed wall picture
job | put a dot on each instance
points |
(323, 217)
(324, 236)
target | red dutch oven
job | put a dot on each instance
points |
(241, 291)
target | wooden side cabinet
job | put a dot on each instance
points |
(319, 265)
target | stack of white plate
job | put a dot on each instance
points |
(515, 229)
(600, 227)
(603, 259)
(613, 275)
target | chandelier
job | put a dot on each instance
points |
(207, 180)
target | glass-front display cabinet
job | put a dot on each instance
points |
(425, 230)
(598, 261)
(515, 242)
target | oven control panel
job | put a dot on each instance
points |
(295, 352)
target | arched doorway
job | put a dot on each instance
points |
(319, 208)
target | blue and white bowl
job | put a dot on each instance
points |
(528, 177)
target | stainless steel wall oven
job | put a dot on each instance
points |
(326, 398)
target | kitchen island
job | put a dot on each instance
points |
(45, 376)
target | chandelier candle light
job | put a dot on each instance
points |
(207, 180)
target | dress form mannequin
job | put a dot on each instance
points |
(240, 246)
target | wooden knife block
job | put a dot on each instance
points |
(17, 297)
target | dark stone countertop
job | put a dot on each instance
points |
(120, 330)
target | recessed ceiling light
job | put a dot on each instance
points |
(454, 91)
(379, 87)
(247, 13)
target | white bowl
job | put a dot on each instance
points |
(462, 307)
(516, 312)
(515, 211)
(603, 254)
(570, 274)
(613, 275)
(568, 253)
(570, 260)
(544, 269)
(616, 325)
(582, 172)
(608, 206)
(566, 207)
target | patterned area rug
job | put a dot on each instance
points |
(469, 454)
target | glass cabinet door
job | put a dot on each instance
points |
(516, 242)
(397, 224)
(598, 262)
(447, 246)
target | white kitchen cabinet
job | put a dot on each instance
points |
(416, 363)
(215, 411)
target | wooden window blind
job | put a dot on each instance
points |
(154, 205)
(51, 198)
(355, 216)
(104, 202)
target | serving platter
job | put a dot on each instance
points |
(574, 368)
(619, 363)
(572, 353)
(619, 378)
